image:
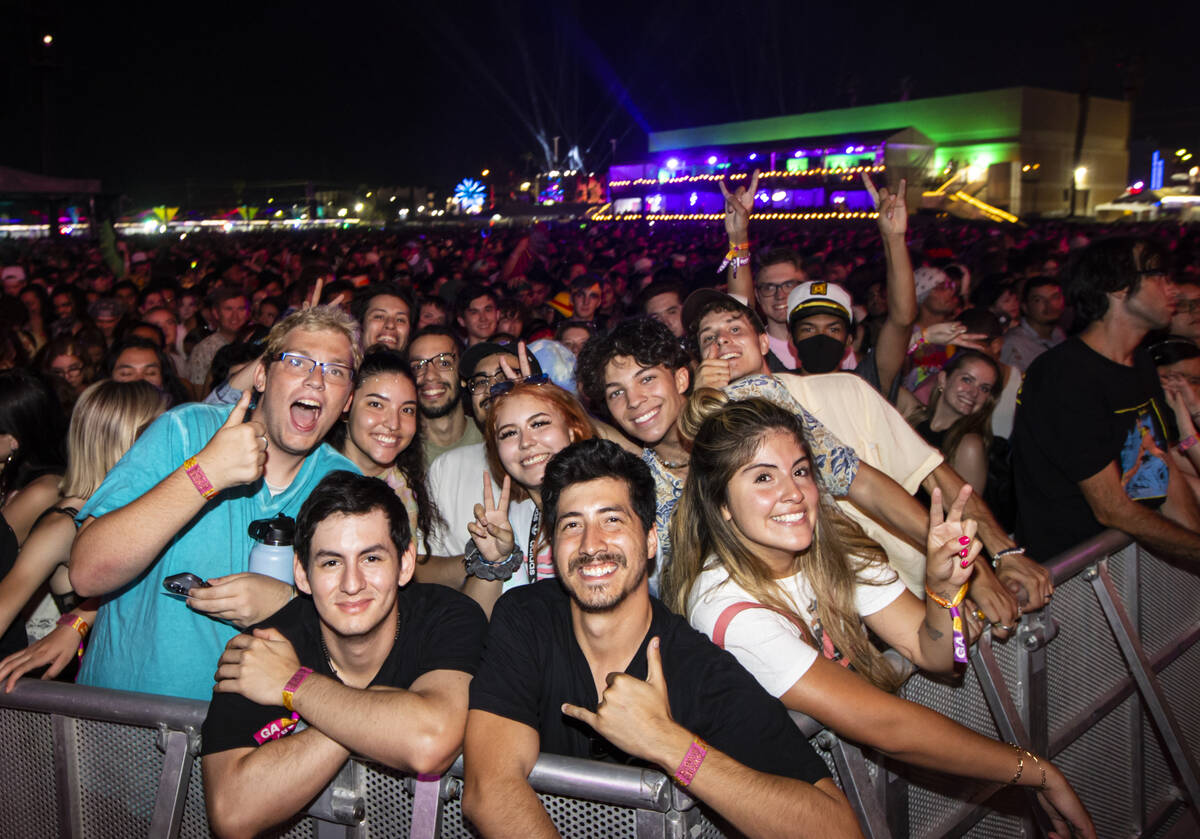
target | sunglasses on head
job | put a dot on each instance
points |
(504, 387)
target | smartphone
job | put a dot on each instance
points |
(182, 584)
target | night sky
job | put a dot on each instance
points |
(151, 96)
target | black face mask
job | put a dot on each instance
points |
(820, 354)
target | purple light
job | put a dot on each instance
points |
(712, 160)
(673, 163)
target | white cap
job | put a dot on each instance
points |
(818, 297)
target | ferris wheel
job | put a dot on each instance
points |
(470, 195)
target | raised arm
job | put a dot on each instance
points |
(498, 756)
(114, 549)
(891, 347)
(738, 206)
(635, 716)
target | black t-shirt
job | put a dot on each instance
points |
(1077, 413)
(440, 629)
(532, 664)
(14, 638)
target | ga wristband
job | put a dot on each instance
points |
(198, 478)
(293, 685)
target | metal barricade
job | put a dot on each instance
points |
(1104, 681)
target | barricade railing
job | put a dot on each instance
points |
(1104, 681)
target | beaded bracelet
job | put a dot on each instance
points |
(999, 555)
(1021, 755)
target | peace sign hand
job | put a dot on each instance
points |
(491, 530)
(635, 716)
(738, 206)
(952, 546)
(893, 209)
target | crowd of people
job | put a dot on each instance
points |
(612, 491)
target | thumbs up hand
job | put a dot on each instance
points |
(237, 452)
(635, 715)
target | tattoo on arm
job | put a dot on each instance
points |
(933, 632)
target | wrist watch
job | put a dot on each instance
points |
(479, 567)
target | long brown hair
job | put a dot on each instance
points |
(726, 435)
(979, 422)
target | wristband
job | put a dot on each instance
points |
(999, 555)
(957, 639)
(943, 602)
(199, 479)
(75, 622)
(690, 764)
(293, 685)
(1187, 442)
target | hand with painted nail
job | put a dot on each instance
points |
(952, 547)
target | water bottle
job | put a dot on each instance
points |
(272, 551)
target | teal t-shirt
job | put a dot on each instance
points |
(144, 638)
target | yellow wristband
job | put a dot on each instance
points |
(943, 602)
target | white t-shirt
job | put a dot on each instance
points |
(766, 643)
(456, 486)
(867, 423)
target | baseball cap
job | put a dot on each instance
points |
(12, 272)
(818, 297)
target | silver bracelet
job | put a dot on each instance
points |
(998, 555)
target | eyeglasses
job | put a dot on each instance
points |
(500, 388)
(772, 289)
(74, 369)
(441, 361)
(482, 381)
(302, 365)
(1188, 306)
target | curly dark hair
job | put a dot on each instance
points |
(647, 341)
(411, 461)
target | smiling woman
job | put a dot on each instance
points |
(380, 434)
(530, 422)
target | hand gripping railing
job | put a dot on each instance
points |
(1104, 681)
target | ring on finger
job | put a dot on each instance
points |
(999, 625)
(980, 615)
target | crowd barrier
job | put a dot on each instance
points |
(1104, 681)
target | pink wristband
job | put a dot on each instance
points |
(1187, 442)
(690, 764)
(293, 685)
(198, 478)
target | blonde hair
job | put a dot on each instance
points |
(316, 319)
(108, 417)
(726, 435)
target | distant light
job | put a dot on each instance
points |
(849, 149)
(1080, 174)
(392, 199)
(486, 172)
(358, 207)
(799, 153)
(754, 155)
(47, 39)
(496, 217)
(1180, 152)
(342, 213)
(1025, 168)
(421, 208)
(712, 160)
(778, 195)
(1139, 185)
(692, 199)
(553, 173)
(525, 185)
(673, 163)
(1194, 171)
(369, 194)
(1186, 157)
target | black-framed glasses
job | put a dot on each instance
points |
(500, 388)
(482, 381)
(1185, 305)
(772, 289)
(441, 361)
(302, 365)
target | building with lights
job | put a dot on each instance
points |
(997, 154)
